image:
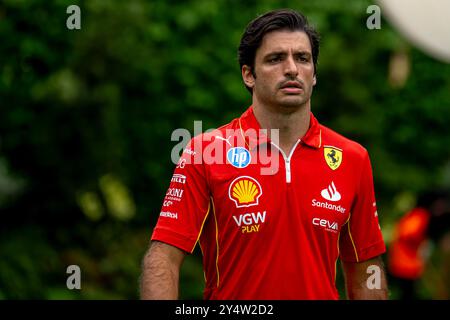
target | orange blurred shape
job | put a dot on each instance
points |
(404, 258)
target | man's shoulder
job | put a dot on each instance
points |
(233, 124)
(331, 138)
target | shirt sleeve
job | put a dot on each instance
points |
(361, 238)
(186, 204)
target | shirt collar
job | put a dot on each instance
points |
(250, 130)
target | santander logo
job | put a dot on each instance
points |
(331, 193)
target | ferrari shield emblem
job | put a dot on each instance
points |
(333, 156)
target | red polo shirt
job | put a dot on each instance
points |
(271, 225)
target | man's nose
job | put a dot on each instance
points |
(290, 67)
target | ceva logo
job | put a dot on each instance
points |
(239, 157)
(331, 193)
(326, 224)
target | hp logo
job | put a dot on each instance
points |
(239, 157)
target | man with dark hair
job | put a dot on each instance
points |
(273, 21)
(275, 233)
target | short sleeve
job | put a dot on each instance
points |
(186, 204)
(361, 238)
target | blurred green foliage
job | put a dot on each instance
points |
(86, 118)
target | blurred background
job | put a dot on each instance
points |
(86, 118)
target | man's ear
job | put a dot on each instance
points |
(247, 76)
(314, 80)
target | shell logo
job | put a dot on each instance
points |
(245, 191)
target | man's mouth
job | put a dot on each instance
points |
(291, 87)
(292, 84)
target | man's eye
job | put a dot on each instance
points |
(275, 59)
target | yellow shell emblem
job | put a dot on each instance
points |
(333, 156)
(245, 191)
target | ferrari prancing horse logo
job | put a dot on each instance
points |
(333, 156)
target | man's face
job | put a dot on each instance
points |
(284, 70)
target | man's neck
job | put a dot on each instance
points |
(292, 124)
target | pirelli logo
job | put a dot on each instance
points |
(179, 178)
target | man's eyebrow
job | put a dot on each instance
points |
(283, 52)
(303, 53)
(275, 53)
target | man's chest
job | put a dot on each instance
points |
(302, 190)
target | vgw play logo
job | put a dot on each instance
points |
(239, 157)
